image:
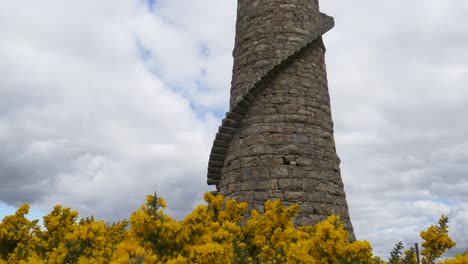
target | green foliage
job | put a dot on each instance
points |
(396, 253)
(409, 256)
(436, 241)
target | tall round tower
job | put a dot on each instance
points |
(276, 141)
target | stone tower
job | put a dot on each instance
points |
(276, 141)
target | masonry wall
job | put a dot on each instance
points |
(282, 147)
(267, 30)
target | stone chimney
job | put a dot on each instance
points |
(276, 141)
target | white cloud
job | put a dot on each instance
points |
(396, 72)
(191, 47)
(84, 121)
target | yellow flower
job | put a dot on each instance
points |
(217, 232)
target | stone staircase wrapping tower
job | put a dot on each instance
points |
(276, 141)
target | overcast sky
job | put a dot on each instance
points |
(104, 102)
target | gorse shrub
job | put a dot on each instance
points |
(217, 232)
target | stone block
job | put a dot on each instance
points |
(295, 118)
(250, 161)
(323, 198)
(280, 172)
(301, 138)
(261, 149)
(248, 197)
(296, 172)
(273, 195)
(323, 209)
(290, 184)
(268, 111)
(289, 129)
(273, 118)
(288, 149)
(259, 208)
(306, 208)
(333, 189)
(254, 139)
(235, 164)
(322, 187)
(271, 184)
(231, 188)
(260, 173)
(278, 139)
(304, 161)
(288, 109)
(248, 186)
(260, 196)
(309, 184)
(232, 177)
(294, 196)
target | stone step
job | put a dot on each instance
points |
(234, 116)
(227, 130)
(214, 169)
(223, 137)
(239, 110)
(215, 163)
(244, 103)
(217, 157)
(214, 176)
(249, 97)
(219, 150)
(229, 123)
(212, 182)
(221, 144)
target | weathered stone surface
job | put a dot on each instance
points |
(309, 184)
(261, 149)
(276, 141)
(260, 196)
(279, 139)
(288, 149)
(248, 186)
(322, 187)
(323, 209)
(281, 172)
(273, 195)
(250, 161)
(270, 184)
(254, 139)
(294, 196)
(290, 184)
(301, 138)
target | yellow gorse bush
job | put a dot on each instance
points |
(217, 232)
(436, 241)
(458, 259)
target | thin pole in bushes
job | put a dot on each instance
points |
(417, 252)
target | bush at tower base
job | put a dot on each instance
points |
(217, 232)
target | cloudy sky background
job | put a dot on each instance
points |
(104, 102)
